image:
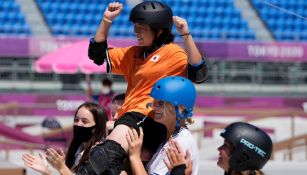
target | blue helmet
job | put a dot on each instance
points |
(177, 91)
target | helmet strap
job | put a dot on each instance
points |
(179, 116)
(183, 115)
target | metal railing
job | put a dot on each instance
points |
(14, 71)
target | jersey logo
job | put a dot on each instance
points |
(155, 58)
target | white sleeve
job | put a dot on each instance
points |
(187, 142)
(157, 166)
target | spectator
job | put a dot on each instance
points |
(117, 102)
(104, 97)
(89, 127)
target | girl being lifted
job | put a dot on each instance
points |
(155, 57)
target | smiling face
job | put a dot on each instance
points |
(144, 34)
(224, 155)
(84, 118)
(164, 113)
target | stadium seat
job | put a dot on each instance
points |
(284, 26)
(12, 21)
(219, 15)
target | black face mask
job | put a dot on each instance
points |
(82, 134)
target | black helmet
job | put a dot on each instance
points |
(252, 146)
(154, 13)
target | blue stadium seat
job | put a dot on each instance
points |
(207, 19)
(284, 26)
(12, 21)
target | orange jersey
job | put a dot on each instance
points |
(141, 74)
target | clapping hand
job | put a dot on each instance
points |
(37, 163)
(177, 157)
(55, 158)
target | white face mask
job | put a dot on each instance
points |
(105, 90)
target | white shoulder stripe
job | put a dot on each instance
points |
(109, 66)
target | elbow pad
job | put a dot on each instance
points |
(198, 74)
(97, 51)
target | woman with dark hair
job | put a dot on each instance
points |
(154, 57)
(245, 151)
(89, 127)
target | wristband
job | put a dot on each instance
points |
(107, 20)
(186, 34)
(178, 170)
(92, 41)
(202, 61)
